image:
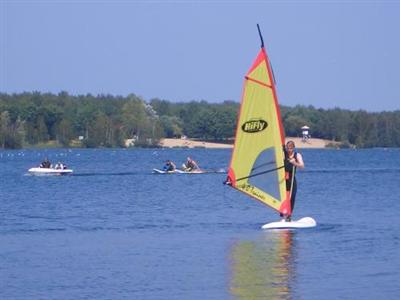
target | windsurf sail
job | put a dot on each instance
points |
(257, 162)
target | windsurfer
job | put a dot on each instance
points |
(169, 166)
(190, 165)
(293, 160)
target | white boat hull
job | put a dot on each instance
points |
(49, 171)
(306, 222)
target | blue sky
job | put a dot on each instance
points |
(324, 53)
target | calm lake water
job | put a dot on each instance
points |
(114, 230)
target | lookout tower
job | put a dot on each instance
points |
(305, 132)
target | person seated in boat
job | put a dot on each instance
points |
(59, 166)
(45, 164)
(190, 165)
(169, 166)
(293, 160)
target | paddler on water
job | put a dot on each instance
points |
(293, 160)
(169, 166)
(190, 165)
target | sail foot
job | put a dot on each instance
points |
(285, 208)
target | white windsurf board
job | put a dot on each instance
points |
(306, 222)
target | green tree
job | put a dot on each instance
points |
(11, 133)
(172, 126)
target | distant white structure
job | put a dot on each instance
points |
(131, 142)
(305, 132)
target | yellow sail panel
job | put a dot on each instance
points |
(257, 159)
(259, 71)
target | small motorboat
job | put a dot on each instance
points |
(49, 171)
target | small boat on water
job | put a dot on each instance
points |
(190, 167)
(177, 171)
(46, 168)
(49, 171)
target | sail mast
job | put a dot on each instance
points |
(261, 38)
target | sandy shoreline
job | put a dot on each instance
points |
(188, 143)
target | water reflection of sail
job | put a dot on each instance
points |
(263, 268)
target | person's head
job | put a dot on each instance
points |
(290, 146)
(189, 159)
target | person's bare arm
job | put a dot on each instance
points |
(299, 163)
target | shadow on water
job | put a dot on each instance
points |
(263, 268)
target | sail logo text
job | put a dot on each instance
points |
(254, 126)
(251, 190)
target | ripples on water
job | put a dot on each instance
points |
(114, 230)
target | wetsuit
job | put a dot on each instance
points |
(169, 167)
(45, 164)
(289, 168)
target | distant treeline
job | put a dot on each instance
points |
(35, 119)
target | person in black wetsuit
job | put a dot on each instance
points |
(45, 164)
(293, 160)
(169, 166)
